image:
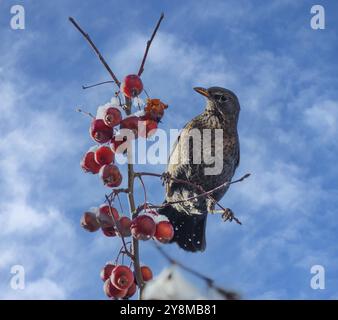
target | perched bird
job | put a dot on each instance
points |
(189, 217)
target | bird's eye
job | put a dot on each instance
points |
(220, 98)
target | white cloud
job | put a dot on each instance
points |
(37, 235)
(42, 289)
(323, 119)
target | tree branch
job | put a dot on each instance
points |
(85, 112)
(96, 84)
(229, 295)
(118, 227)
(131, 200)
(86, 36)
(116, 192)
(166, 176)
(149, 44)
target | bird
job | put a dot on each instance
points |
(189, 217)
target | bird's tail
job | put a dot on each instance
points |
(189, 230)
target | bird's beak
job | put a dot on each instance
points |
(202, 91)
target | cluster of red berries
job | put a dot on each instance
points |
(148, 224)
(106, 218)
(119, 280)
(103, 130)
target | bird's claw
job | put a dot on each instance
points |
(166, 176)
(228, 214)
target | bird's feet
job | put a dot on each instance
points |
(228, 214)
(166, 177)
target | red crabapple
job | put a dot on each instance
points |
(109, 231)
(131, 291)
(104, 155)
(122, 277)
(143, 227)
(100, 132)
(88, 163)
(154, 109)
(132, 86)
(89, 222)
(104, 216)
(112, 292)
(106, 271)
(131, 123)
(110, 175)
(118, 144)
(147, 274)
(125, 224)
(164, 231)
(147, 128)
(112, 117)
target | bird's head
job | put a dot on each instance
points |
(221, 99)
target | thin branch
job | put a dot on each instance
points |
(159, 206)
(85, 112)
(118, 255)
(116, 192)
(165, 176)
(230, 295)
(149, 44)
(175, 262)
(97, 84)
(120, 203)
(204, 194)
(144, 188)
(118, 227)
(216, 212)
(86, 36)
(131, 200)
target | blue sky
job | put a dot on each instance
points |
(285, 75)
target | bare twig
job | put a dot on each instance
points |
(116, 192)
(85, 112)
(203, 193)
(131, 200)
(230, 295)
(175, 262)
(144, 188)
(207, 193)
(149, 44)
(120, 203)
(86, 36)
(97, 84)
(118, 227)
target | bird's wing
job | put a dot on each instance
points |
(177, 141)
(179, 170)
(169, 186)
(174, 146)
(188, 126)
(238, 155)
